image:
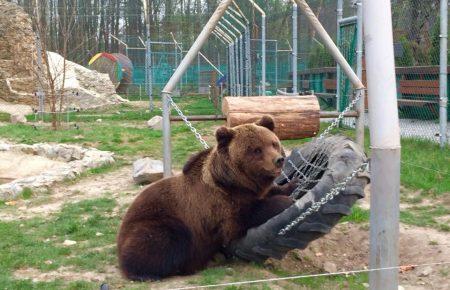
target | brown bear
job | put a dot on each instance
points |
(177, 224)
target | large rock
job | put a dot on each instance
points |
(18, 118)
(17, 55)
(147, 170)
(155, 123)
(82, 88)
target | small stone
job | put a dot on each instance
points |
(319, 254)
(48, 262)
(18, 118)
(155, 123)
(22, 208)
(69, 243)
(329, 267)
(5, 147)
(146, 170)
(426, 272)
(98, 120)
(98, 234)
(365, 285)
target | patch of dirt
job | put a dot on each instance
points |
(63, 273)
(347, 246)
(117, 184)
(18, 165)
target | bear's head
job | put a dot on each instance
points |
(248, 156)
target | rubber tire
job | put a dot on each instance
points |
(344, 156)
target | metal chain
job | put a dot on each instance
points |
(329, 196)
(359, 94)
(188, 123)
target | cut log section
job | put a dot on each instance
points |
(295, 117)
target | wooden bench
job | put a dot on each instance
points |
(329, 84)
(416, 88)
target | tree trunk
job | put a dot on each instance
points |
(295, 117)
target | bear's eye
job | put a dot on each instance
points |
(275, 145)
(257, 150)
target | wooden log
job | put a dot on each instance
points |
(295, 117)
(323, 114)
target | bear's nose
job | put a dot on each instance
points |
(279, 161)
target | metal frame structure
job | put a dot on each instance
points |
(385, 133)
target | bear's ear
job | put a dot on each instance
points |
(266, 121)
(224, 136)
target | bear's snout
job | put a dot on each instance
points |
(278, 161)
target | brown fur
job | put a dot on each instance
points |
(177, 224)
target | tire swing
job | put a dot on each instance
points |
(326, 166)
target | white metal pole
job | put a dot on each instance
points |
(248, 61)
(329, 44)
(263, 46)
(360, 106)
(443, 85)
(41, 80)
(148, 57)
(339, 13)
(241, 65)
(385, 144)
(178, 74)
(263, 42)
(294, 48)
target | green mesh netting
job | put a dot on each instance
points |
(347, 45)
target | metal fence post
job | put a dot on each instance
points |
(276, 64)
(385, 144)
(241, 65)
(248, 60)
(149, 73)
(360, 106)
(339, 12)
(294, 48)
(40, 92)
(263, 42)
(443, 98)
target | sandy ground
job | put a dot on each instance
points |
(18, 165)
(347, 246)
(11, 108)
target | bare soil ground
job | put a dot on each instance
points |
(18, 165)
(347, 246)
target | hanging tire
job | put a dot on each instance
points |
(343, 157)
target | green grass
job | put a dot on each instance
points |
(425, 166)
(29, 243)
(27, 193)
(425, 216)
(358, 215)
(4, 117)
(422, 216)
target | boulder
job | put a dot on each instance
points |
(155, 123)
(82, 88)
(146, 170)
(17, 55)
(18, 118)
